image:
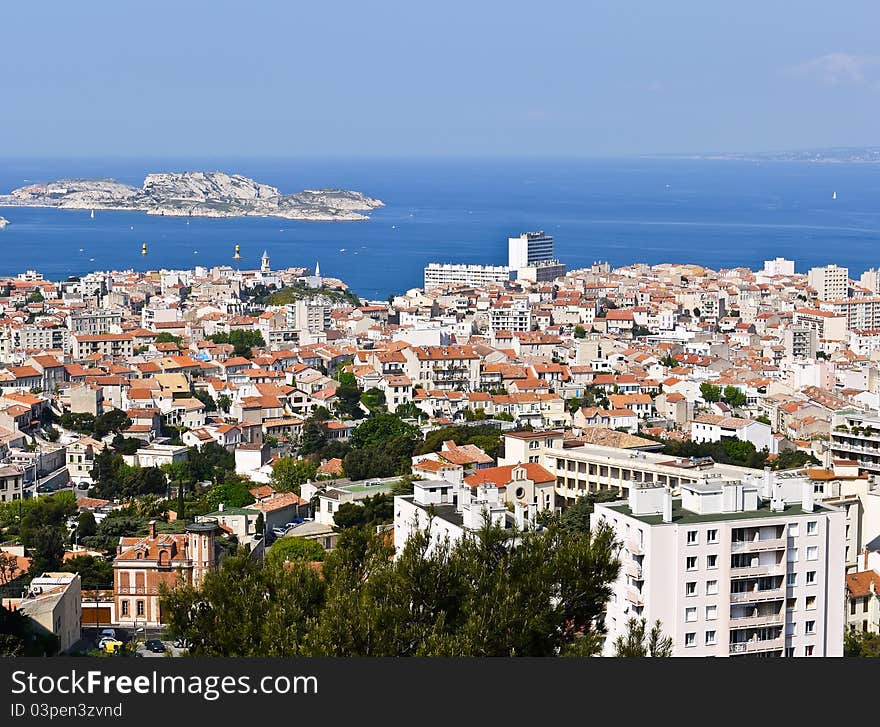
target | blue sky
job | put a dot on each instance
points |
(398, 78)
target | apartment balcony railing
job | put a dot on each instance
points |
(777, 569)
(633, 547)
(750, 622)
(131, 590)
(751, 546)
(634, 596)
(755, 646)
(755, 596)
(633, 570)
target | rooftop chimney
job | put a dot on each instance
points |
(152, 529)
(777, 504)
(667, 504)
(807, 496)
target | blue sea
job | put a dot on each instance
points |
(714, 213)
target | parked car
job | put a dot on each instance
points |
(279, 532)
(154, 645)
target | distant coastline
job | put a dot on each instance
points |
(835, 155)
(195, 194)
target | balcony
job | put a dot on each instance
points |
(771, 594)
(633, 547)
(778, 569)
(754, 546)
(749, 622)
(634, 596)
(633, 570)
(755, 646)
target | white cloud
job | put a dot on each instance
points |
(838, 68)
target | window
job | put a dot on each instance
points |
(140, 608)
(711, 536)
(125, 608)
(710, 638)
(711, 561)
(792, 555)
(791, 604)
(810, 627)
(690, 639)
(813, 552)
(692, 537)
(810, 604)
(711, 588)
(812, 527)
(852, 606)
(711, 613)
(690, 614)
(789, 651)
(811, 577)
(808, 650)
(793, 530)
(690, 588)
(865, 606)
(791, 580)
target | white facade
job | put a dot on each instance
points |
(439, 274)
(780, 266)
(528, 248)
(829, 282)
(731, 568)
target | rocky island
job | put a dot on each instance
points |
(195, 194)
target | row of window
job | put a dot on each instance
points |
(712, 535)
(139, 608)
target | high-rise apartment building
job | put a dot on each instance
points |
(830, 282)
(746, 567)
(529, 248)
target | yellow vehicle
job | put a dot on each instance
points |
(112, 646)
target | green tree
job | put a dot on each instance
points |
(734, 397)
(477, 596)
(114, 420)
(165, 337)
(635, 643)
(224, 403)
(46, 549)
(313, 437)
(373, 399)
(86, 524)
(96, 573)
(289, 473)
(293, 548)
(580, 331)
(232, 493)
(710, 392)
(375, 510)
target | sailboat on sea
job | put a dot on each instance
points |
(834, 195)
(92, 215)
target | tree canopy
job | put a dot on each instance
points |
(477, 596)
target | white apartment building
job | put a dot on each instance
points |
(528, 248)
(54, 601)
(828, 325)
(861, 313)
(829, 282)
(514, 317)
(714, 428)
(93, 322)
(746, 567)
(780, 266)
(440, 274)
(870, 279)
(855, 436)
(452, 511)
